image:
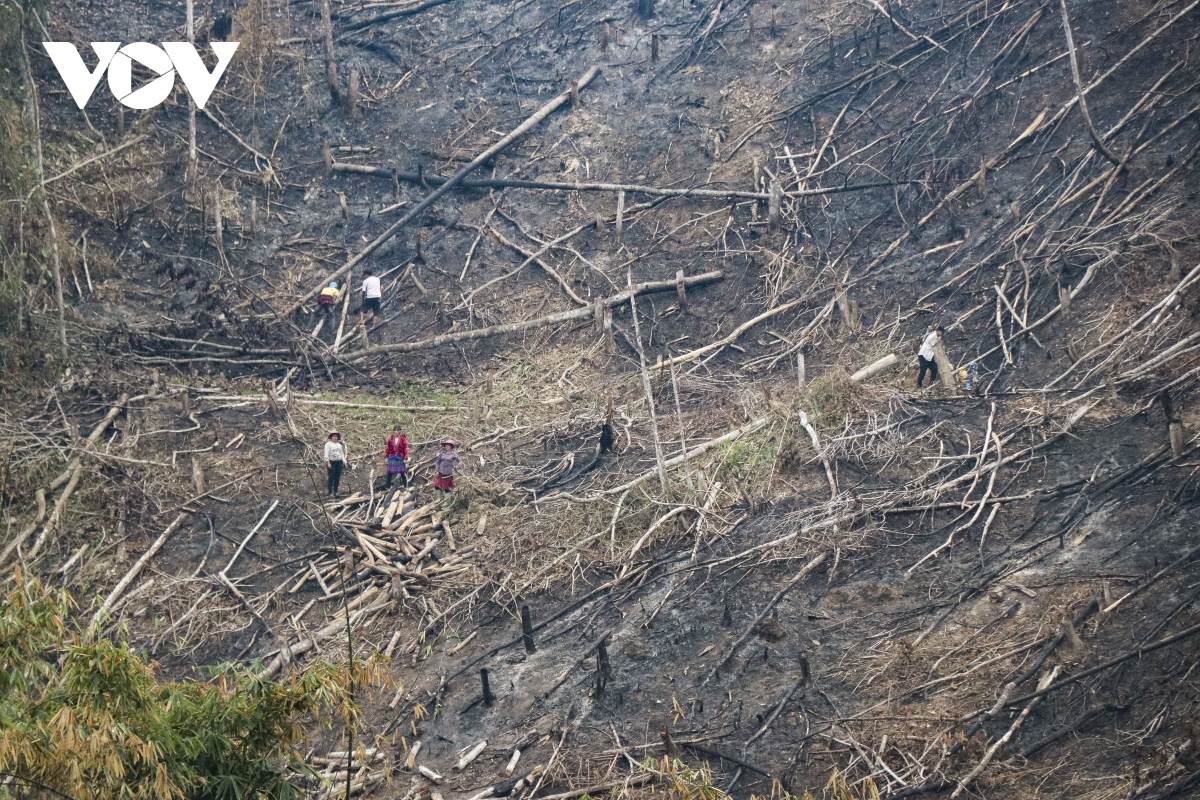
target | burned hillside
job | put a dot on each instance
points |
(661, 270)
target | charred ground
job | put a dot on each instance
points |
(848, 580)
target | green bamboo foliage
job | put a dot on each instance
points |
(91, 721)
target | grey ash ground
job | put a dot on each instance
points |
(933, 167)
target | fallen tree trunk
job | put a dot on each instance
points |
(540, 322)
(387, 15)
(133, 572)
(564, 186)
(692, 452)
(308, 401)
(745, 326)
(878, 366)
(70, 476)
(285, 654)
(450, 183)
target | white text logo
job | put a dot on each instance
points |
(163, 61)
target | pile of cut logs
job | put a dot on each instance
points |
(398, 537)
(366, 767)
(393, 551)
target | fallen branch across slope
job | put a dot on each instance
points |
(682, 458)
(70, 476)
(308, 401)
(406, 11)
(539, 322)
(134, 571)
(576, 186)
(450, 183)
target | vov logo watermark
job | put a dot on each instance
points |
(118, 61)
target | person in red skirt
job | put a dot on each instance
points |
(397, 457)
(443, 469)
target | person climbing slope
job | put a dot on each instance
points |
(372, 297)
(335, 460)
(326, 301)
(927, 355)
(443, 469)
(397, 457)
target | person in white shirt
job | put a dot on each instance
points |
(372, 297)
(335, 460)
(927, 356)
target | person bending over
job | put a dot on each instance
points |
(326, 303)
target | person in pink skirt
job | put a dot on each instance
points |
(443, 469)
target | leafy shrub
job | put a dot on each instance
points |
(84, 719)
(832, 399)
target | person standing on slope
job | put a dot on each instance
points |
(335, 460)
(927, 356)
(443, 469)
(397, 457)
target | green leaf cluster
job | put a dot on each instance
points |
(91, 721)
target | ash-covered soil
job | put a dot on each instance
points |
(842, 585)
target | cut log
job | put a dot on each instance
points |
(620, 226)
(450, 183)
(133, 572)
(471, 755)
(876, 367)
(541, 322)
(331, 76)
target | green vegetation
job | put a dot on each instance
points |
(404, 391)
(832, 399)
(747, 462)
(678, 781)
(90, 721)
